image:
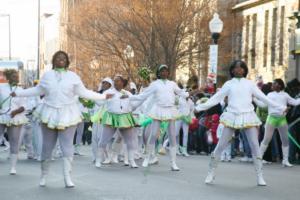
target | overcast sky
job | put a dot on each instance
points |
(23, 26)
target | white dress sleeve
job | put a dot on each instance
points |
(34, 91)
(261, 96)
(292, 101)
(215, 99)
(180, 92)
(144, 95)
(259, 103)
(81, 91)
(100, 102)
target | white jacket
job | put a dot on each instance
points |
(60, 89)
(282, 98)
(117, 105)
(240, 93)
(164, 92)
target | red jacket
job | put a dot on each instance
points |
(194, 125)
(212, 123)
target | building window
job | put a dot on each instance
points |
(281, 38)
(266, 38)
(274, 33)
(253, 45)
(239, 45)
(246, 50)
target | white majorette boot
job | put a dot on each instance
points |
(99, 158)
(149, 150)
(77, 149)
(184, 151)
(67, 168)
(131, 159)
(259, 172)
(285, 155)
(13, 162)
(172, 151)
(125, 151)
(153, 159)
(45, 164)
(178, 152)
(116, 149)
(107, 156)
(213, 164)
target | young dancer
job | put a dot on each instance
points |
(163, 109)
(59, 112)
(118, 117)
(277, 120)
(12, 115)
(185, 108)
(97, 127)
(239, 114)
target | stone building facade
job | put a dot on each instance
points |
(267, 37)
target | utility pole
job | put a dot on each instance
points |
(297, 36)
(9, 34)
(39, 38)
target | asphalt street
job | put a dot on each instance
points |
(234, 180)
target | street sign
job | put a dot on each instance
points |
(213, 62)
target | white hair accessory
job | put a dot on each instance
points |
(133, 85)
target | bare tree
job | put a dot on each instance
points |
(172, 32)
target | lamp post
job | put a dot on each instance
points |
(215, 27)
(39, 39)
(297, 42)
(129, 55)
(9, 34)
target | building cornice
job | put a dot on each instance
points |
(249, 4)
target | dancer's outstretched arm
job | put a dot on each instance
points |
(215, 99)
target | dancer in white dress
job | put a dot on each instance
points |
(238, 115)
(59, 112)
(119, 117)
(186, 109)
(97, 127)
(164, 109)
(277, 120)
(12, 115)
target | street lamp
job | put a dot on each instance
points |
(39, 38)
(215, 27)
(9, 34)
(296, 51)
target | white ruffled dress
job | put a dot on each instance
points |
(239, 113)
(163, 93)
(10, 104)
(60, 109)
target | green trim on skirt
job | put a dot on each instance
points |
(118, 120)
(276, 121)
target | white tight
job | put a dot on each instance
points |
(227, 152)
(140, 139)
(79, 132)
(65, 138)
(252, 136)
(26, 138)
(127, 133)
(185, 128)
(96, 135)
(154, 131)
(37, 138)
(13, 133)
(283, 132)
